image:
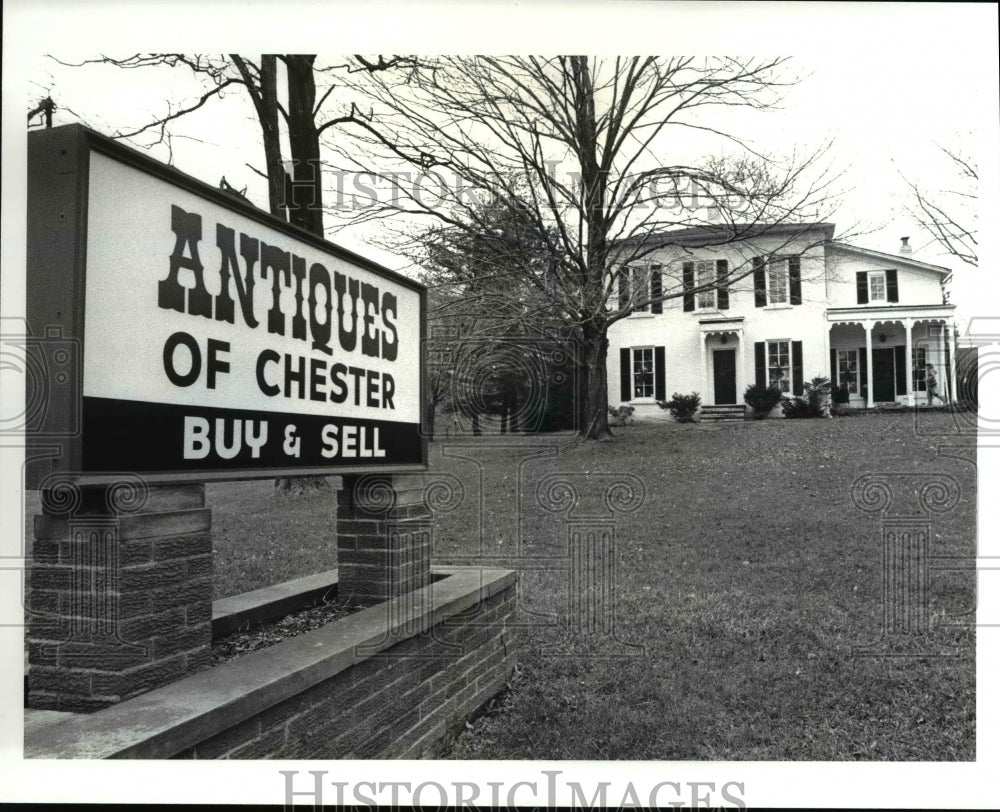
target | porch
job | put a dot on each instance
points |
(881, 355)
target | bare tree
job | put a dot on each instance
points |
(492, 334)
(949, 215)
(296, 196)
(578, 142)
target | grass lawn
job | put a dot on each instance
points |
(747, 575)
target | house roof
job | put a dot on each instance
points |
(901, 258)
(714, 234)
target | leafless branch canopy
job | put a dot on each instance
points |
(576, 145)
(949, 215)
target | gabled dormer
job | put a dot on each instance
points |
(860, 277)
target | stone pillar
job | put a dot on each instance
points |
(120, 598)
(383, 536)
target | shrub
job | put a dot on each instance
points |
(681, 407)
(841, 397)
(795, 407)
(813, 403)
(817, 392)
(622, 416)
(761, 399)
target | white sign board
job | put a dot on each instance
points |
(218, 339)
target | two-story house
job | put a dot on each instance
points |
(776, 306)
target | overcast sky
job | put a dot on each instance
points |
(887, 81)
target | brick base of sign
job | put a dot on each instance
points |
(120, 594)
(399, 704)
(392, 681)
(383, 537)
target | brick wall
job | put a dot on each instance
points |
(402, 703)
(384, 530)
(120, 603)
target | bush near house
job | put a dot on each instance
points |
(793, 408)
(841, 397)
(681, 407)
(622, 416)
(814, 402)
(761, 399)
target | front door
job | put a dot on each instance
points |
(883, 375)
(724, 369)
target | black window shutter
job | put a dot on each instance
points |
(721, 274)
(759, 283)
(900, 369)
(623, 288)
(660, 371)
(833, 368)
(863, 365)
(862, 287)
(794, 281)
(891, 286)
(760, 363)
(625, 358)
(688, 279)
(797, 368)
(656, 289)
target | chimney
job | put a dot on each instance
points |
(904, 247)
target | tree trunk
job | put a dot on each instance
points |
(306, 203)
(305, 200)
(268, 116)
(593, 376)
(264, 95)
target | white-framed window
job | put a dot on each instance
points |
(876, 286)
(847, 370)
(643, 372)
(641, 284)
(779, 366)
(704, 274)
(639, 278)
(777, 282)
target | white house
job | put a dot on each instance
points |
(776, 306)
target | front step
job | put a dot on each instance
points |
(716, 414)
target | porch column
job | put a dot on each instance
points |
(870, 395)
(742, 376)
(704, 362)
(827, 328)
(908, 329)
(951, 336)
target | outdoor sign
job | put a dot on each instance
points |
(196, 337)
